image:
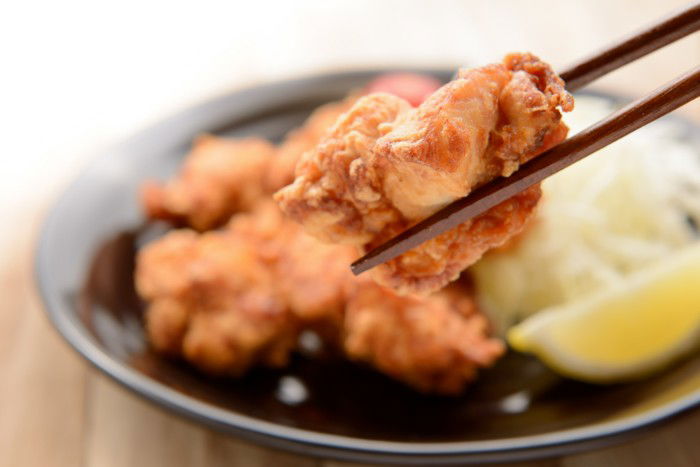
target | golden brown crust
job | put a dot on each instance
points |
(310, 276)
(239, 297)
(547, 81)
(302, 139)
(230, 299)
(214, 182)
(434, 344)
(221, 322)
(223, 176)
(335, 195)
(385, 166)
(434, 154)
(441, 259)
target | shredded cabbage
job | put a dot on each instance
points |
(615, 212)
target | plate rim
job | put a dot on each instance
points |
(299, 439)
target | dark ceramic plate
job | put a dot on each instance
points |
(516, 410)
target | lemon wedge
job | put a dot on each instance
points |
(625, 332)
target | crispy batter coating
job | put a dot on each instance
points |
(214, 302)
(220, 176)
(231, 299)
(440, 260)
(385, 166)
(412, 87)
(435, 344)
(303, 139)
(335, 196)
(311, 276)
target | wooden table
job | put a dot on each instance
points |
(57, 411)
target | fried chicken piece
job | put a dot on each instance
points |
(230, 299)
(412, 87)
(367, 319)
(303, 139)
(220, 176)
(336, 196)
(214, 302)
(435, 344)
(312, 277)
(385, 166)
(441, 259)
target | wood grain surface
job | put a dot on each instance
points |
(55, 410)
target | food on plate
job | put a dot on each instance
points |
(435, 344)
(385, 165)
(625, 332)
(222, 176)
(617, 212)
(603, 223)
(229, 299)
(192, 281)
(302, 139)
(594, 272)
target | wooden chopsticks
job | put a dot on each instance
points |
(669, 29)
(637, 114)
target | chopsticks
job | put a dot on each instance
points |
(628, 119)
(671, 28)
(660, 102)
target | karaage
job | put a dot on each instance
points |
(222, 176)
(213, 302)
(228, 299)
(385, 166)
(238, 297)
(412, 87)
(312, 277)
(219, 176)
(435, 344)
(302, 139)
(241, 296)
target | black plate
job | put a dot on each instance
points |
(517, 410)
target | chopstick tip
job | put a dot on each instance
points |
(358, 267)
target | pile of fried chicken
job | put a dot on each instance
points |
(266, 233)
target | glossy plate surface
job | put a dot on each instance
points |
(517, 410)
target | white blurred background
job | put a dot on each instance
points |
(78, 75)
